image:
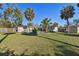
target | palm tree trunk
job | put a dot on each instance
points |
(67, 22)
(67, 25)
(16, 25)
(29, 22)
(46, 29)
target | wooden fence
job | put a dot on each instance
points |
(7, 30)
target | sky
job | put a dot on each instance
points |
(47, 10)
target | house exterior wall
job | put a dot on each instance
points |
(72, 29)
(55, 29)
(20, 29)
(78, 29)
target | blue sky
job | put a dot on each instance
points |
(49, 10)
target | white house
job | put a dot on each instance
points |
(55, 29)
(20, 29)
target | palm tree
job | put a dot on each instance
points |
(55, 24)
(29, 14)
(7, 13)
(18, 18)
(66, 13)
(45, 23)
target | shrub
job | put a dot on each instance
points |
(34, 31)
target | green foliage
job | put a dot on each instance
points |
(11, 16)
(34, 31)
(6, 23)
(29, 14)
(45, 23)
(18, 16)
(67, 12)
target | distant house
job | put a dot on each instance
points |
(20, 29)
(28, 28)
(53, 27)
(74, 27)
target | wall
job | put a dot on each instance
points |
(72, 29)
(7, 30)
(20, 29)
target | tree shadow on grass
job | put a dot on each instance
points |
(6, 34)
(75, 35)
(69, 34)
(65, 49)
(29, 34)
(3, 38)
(59, 41)
(7, 53)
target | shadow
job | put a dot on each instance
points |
(59, 41)
(65, 51)
(38, 54)
(11, 53)
(29, 34)
(75, 35)
(3, 38)
(69, 34)
(6, 34)
(8, 53)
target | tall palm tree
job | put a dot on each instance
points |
(45, 23)
(18, 17)
(29, 14)
(66, 13)
(7, 13)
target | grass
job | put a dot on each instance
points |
(42, 44)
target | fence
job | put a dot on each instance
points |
(7, 30)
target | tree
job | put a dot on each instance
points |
(8, 16)
(7, 13)
(6, 24)
(45, 23)
(18, 18)
(29, 14)
(55, 24)
(66, 13)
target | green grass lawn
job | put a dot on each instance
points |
(42, 44)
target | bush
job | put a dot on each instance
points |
(34, 31)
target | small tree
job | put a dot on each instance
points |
(45, 23)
